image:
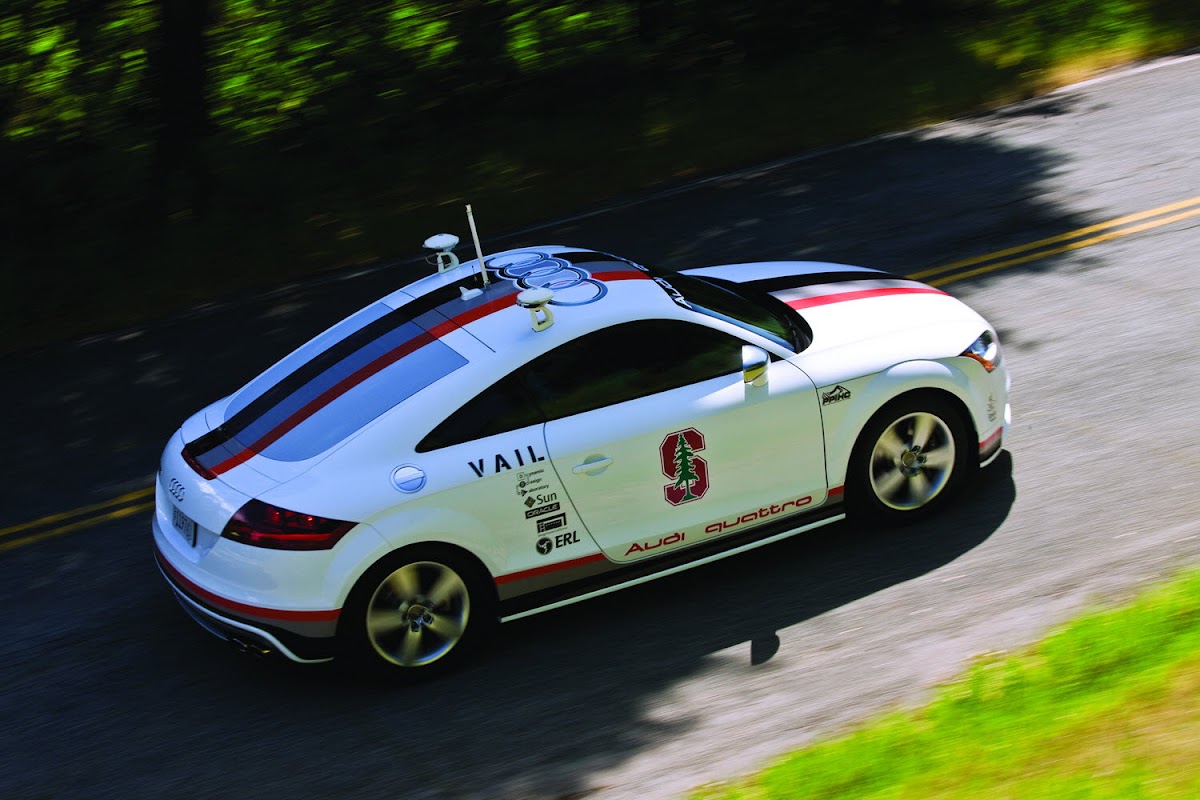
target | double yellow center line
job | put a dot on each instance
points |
(142, 500)
(77, 519)
(1062, 243)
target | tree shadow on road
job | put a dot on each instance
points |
(568, 696)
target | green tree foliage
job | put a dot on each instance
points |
(239, 132)
(71, 70)
(279, 65)
(1036, 31)
(110, 70)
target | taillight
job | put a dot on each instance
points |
(201, 470)
(263, 525)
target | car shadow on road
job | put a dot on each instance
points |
(563, 697)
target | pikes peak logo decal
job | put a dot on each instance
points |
(835, 395)
(687, 471)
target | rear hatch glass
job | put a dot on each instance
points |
(334, 385)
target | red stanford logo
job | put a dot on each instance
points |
(688, 472)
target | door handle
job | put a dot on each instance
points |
(592, 466)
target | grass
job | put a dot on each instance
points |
(276, 216)
(1107, 706)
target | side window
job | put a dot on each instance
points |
(604, 368)
(629, 361)
(504, 406)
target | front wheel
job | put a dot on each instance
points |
(909, 459)
(417, 612)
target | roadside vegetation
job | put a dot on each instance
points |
(155, 154)
(1106, 707)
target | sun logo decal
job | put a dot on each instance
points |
(687, 471)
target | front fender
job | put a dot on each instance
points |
(844, 421)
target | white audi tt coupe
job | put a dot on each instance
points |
(485, 444)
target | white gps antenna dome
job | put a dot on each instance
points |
(443, 245)
(537, 302)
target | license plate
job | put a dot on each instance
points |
(184, 525)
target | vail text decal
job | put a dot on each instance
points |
(688, 472)
(666, 541)
(501, 462)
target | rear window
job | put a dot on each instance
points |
(336, 384)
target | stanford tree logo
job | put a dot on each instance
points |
(688, 472)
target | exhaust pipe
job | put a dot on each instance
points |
(249, 648)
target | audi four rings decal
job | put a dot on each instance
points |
(572, 285)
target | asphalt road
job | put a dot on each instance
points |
(108, 691)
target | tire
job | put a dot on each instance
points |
(909, 460)
(419, 612)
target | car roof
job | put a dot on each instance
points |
(407, 342)
(591, 288)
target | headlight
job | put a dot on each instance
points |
(985, 350)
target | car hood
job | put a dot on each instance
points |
(861, 315)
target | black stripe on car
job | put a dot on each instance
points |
(817, 279)
(318, 364)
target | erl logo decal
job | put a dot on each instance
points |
(687, 471)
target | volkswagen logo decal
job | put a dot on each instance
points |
(572, 286)
(176, 489)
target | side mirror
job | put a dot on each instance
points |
(754, 365)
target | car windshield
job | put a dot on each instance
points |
(756, 311)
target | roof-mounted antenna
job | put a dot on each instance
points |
(443, 244)
(478, 249)
(537, 301)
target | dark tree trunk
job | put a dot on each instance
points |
(180, 84)
(653, 21)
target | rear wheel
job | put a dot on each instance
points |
(419, 611)
(909, 459)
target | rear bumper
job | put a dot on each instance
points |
(243, 626)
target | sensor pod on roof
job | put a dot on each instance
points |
(537, 301)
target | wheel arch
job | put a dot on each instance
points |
(406, 526)
(426, 547)
(877, 393)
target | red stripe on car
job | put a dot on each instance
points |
(837, 491)
(533, 573)
(620, 275)
(348, 383)
(991, 439)
(841, 297)
(243, 608)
